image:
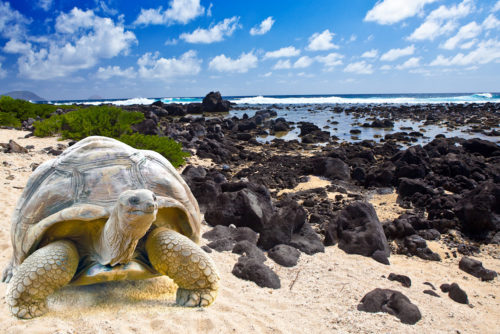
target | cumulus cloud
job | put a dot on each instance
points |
(441, 21)
(394, 54)
(393, 11)
(486, 52)
(152, 66)
(466, 32)
(242, 64)
(82, 39)
(370, 54)
(282, 65)
(105, 73)
(215, 33)
(286, 52)
(331, 60)
(3, 73)
(15, 46)
(491, 22)
(360, 67)
(263, 27)
(303, 62)
(12, 23)
(179, 11)
(410, 63)
(321, 41)
(496, 8)
(45, 4)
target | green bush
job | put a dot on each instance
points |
(9, 119)
(93, 121)
(166, 146)
(22, 110)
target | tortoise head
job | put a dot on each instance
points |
(136, 210)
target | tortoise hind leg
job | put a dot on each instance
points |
(46, 270)
(182, 260)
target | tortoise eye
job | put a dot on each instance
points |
(134, 200)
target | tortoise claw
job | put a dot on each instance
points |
(195, 298)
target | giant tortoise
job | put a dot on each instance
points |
(104, 211)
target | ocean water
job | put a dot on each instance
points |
(298, 108)
(312, 99)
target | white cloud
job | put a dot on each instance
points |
(386, 67)
(242, 64)
(3, 73)
(179, 11)
(496, 8)
(466, 32)
(82, 39)
(105, 73)
(491, 22)
(468, 45)
(45, 4)
(410, 63)
(394, 54)
(331, 60)
(370, 54)
(152, 66)
(486, 52)
(321, 41)
(268, 74)
(15, 46)
(303, 62)
(360, 67)
(282, 65)
(263, 27)
(288, 51)
(393, 11)
(215, 33)
(441, 21)
(12, 23)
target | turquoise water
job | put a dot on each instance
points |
(313, 99)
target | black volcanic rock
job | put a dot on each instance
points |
(404, 280)
(483, 147)
(457, 294)
(392, 302)
(213, 102)
(288, 218)
(359, 231)
(251, 269)
(284, 255)
(479, 210)
(475, 268)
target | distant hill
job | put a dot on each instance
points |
(94, 97)
(24, 95)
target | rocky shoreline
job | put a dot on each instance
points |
(250, 191)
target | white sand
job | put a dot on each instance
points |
(326, 290)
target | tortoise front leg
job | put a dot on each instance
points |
(182, 260)
(46, 270)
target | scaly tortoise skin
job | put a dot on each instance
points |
(104, 211)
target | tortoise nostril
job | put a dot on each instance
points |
(134, 200)
(150, 206)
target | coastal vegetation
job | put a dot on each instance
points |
(111, 122)
(14, 111)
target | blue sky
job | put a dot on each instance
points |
(118, 49)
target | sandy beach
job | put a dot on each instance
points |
(319, 295)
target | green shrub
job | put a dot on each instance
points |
(22, 110)
(166, 146)
(93, 121)
(9, 119)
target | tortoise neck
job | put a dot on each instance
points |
(115, 244)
